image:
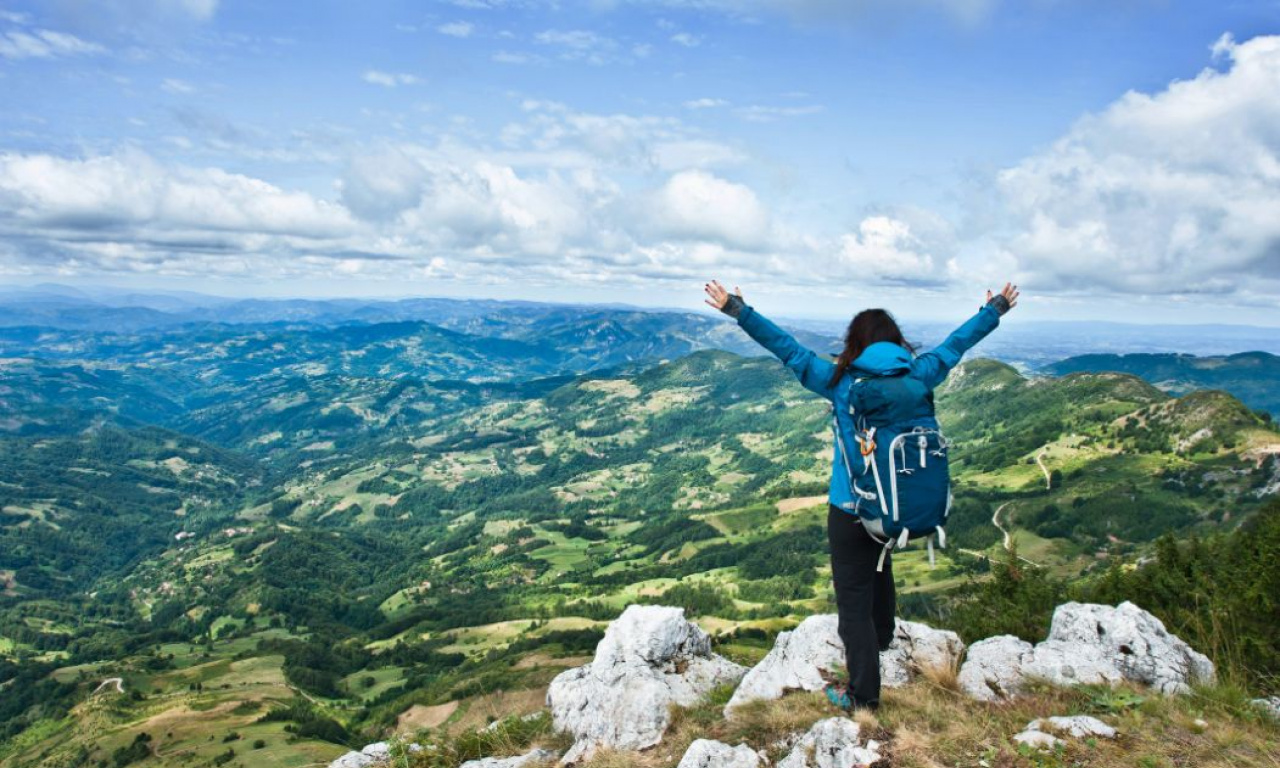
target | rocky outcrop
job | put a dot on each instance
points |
(650, 658)
(1088, 644)
(831, 743)
(532, 756)
(804, 658)
(993, 667)
(705, 753)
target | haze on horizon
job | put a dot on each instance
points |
(1119, 161)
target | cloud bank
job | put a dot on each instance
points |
(1174, 192)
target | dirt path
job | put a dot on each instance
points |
(1048, 483)
(1008, 542)
(118, 681)
(995, 520)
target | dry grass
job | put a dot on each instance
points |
(931, 724)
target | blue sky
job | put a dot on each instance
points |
(1119, 159)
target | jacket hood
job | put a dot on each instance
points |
(883, 358)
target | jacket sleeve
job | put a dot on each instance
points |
(813, 371)
(933, 366)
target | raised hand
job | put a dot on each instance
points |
(719, 296)
(1010, 294)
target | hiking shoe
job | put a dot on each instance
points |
(840, 698)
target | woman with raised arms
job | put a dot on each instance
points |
(892, 484)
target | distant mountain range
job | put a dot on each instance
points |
(654, 332)
(1253, 377)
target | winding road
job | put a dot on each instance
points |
(117, 681)
(995, 520)
(1008, 542)
(1048, 482)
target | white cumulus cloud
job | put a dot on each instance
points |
(885, 249)
(1172, 192)
(697, 205)
(121, 195)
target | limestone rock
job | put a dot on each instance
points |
(1090, 643)
(1039, 732)
(807, 656)
(917, 647)
(380, 750)
(354, 760)
(992, 668)
(831, 743)
(1087, 644)
(1038, 739)
(797, 661)
(650, 658)
(1076, 726)
(376, 754)
(705, 753)
(533, 756)
(1270, 706)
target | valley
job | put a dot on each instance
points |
(305, 537)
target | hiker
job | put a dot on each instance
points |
(893, 484)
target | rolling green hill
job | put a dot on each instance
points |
(362, 551)
(1253, 377)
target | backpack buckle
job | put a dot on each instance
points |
(867, 444)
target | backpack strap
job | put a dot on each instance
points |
(875, 472)
(875, 529)
(888, 545)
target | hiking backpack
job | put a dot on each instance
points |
(902, 486)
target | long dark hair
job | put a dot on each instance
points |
(866, 328)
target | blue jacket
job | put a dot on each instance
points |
(879, 359)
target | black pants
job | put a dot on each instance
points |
(864, 599)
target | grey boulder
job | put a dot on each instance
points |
(376, 754)
(1039, 733)
(533, 756)
(1087, 644)
(1270, 706)
(650, 658)
(993, 668)
(831, 743)
(804, 658)
(1075, 726)
(1038, 739)
(705, 753)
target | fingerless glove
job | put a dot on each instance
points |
(733, 307)
(1000, 303)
